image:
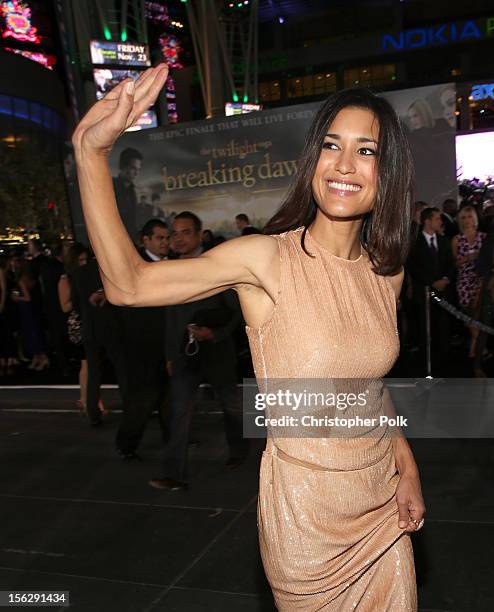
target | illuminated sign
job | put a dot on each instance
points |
(482, 92)
(237, 108)
(119, 54)
(106, 79)
(17, 16)
(442, 34)
(48, 61)
(145, 121)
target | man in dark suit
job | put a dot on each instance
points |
(100, 333)
(143, 338)
(431, 265)
(47, 272)
(450, 226)
(51, 270)
(244, 226)
(206, 328)
(129, 164)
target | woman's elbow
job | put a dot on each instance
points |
(120, 298)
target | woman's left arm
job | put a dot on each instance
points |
(409, 498)
(411, 507)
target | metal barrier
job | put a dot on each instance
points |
(461, 316)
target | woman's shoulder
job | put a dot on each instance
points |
(245, 249)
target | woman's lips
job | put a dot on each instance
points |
(343, 189)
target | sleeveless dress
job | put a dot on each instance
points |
(327, 512)
(468, 282)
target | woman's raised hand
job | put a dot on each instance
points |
(118, 110)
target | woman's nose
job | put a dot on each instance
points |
(344, 163)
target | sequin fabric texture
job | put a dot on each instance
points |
(327, 514)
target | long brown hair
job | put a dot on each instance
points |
(385, 232)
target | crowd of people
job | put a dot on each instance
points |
(54, 312)
(451, 256)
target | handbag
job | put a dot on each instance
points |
(74, 327)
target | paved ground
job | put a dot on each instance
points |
(74, 517)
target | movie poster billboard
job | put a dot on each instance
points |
(216, 168)
(429, 117)
(220, 167)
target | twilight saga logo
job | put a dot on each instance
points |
(247, 175)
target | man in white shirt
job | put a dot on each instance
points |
(431, 265)
(155, 240)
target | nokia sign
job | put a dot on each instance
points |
(442, 34)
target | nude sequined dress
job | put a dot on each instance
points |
(327, 513)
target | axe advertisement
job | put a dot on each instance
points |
(221, 167)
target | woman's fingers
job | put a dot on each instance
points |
(125, 105)
(144, 78)
(146, 98)
(115, 92)
(411, 515)
(403, 515)
(416, 516)
(144, 89)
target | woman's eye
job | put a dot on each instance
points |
(367, 151)
(329, 145)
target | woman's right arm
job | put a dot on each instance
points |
(25, 293)
(127, 279)
(64, 294)
(458, 259)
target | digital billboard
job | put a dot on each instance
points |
(237, 108)
(145, 121)
(119, 54)
(106, 79)
(475, 157)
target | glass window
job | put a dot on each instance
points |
(31, 111)
(269, 91)
(5, 105)
(35, 111)
(21, 108)
(370, 76)
(311, 85)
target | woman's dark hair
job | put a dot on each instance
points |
(385, 232)
(71, 260)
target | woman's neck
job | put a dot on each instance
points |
(341, 237)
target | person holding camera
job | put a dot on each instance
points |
(199, 346)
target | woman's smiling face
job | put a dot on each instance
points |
(345, 181)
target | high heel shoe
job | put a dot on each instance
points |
(103, 410)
